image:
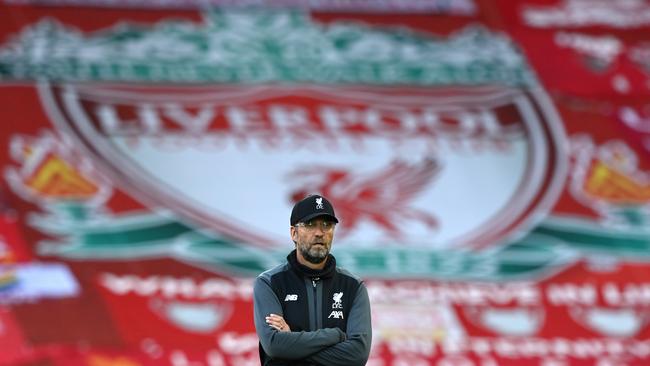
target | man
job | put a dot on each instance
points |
(308, 311)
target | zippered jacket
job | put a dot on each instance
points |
(327, 310)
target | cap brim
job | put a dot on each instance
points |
(317, 214)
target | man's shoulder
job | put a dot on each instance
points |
(344, 272)
(269, 273)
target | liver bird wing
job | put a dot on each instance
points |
(380, 197)
(401, 181)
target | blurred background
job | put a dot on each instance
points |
(489, 161)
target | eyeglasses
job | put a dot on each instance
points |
(311, 225)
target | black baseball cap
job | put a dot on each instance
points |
(310, 207)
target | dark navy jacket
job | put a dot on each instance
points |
(328, 312)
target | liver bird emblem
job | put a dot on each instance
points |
(337, 297)
(381, 197)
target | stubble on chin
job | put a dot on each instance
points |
(314, 255)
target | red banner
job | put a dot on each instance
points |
(490, 169)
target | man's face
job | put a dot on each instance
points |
(313, 239)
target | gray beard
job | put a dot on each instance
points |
(314, 259)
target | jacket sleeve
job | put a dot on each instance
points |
(286, 345)
(355, 350)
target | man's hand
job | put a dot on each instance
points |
(277, 322)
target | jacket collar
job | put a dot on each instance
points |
(327, 271)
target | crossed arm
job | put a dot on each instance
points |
(355, 349)
(328, 346)
(285, 344)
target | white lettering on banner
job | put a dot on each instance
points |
(242, 120)
(178, 358)
(569, 293)
(171, 287)
(252, 120)
(409, 360)
(628, 294)
(616, 14)
(421, 292)
(611, 294)
(193, 123)
(411, 345)
(605, 48)
(554, 362)
(521, 347)
(241, 349)
(516, 294)
(231, 349)
(287, 117)
(213, 358)
(238, 344)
